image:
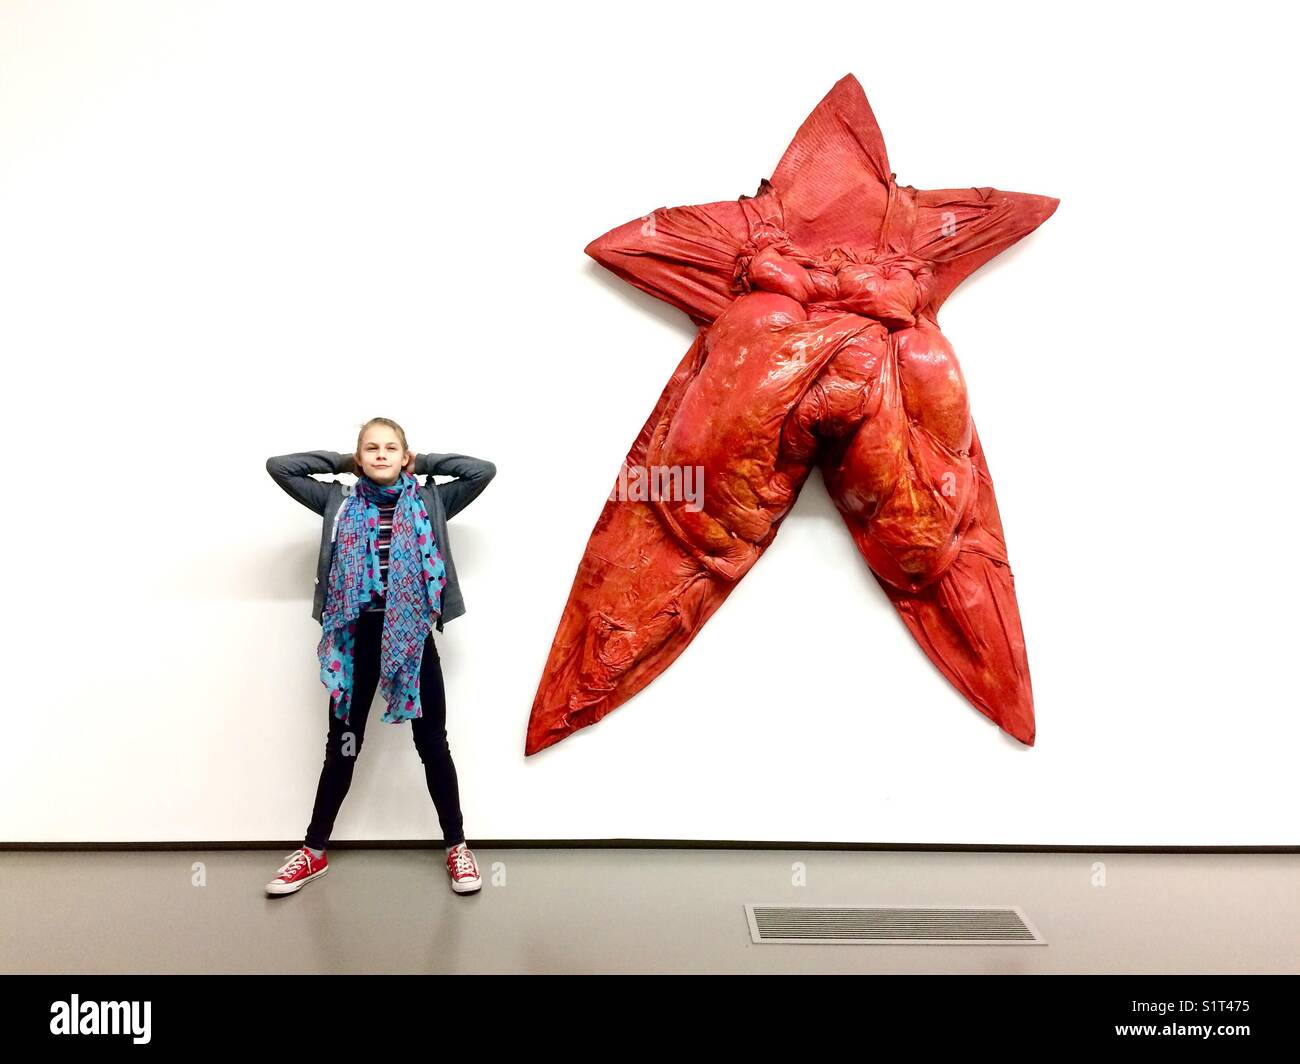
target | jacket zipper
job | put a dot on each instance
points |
(337, 514)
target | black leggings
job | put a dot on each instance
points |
(429, 731)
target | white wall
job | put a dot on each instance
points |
(230, 231)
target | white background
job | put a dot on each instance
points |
(231, 231)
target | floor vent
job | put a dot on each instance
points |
(952, 925)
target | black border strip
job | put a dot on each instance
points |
(649, 844)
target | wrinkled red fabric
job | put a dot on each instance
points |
(817, 301)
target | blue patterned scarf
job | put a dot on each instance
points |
(416, 575)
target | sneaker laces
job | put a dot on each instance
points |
(294, 859)
(463, 862)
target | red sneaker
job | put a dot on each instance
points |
(463, 870)
(300, 867)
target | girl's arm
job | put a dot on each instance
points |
(293, 473)
(472, 476)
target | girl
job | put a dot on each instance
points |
(384, 574)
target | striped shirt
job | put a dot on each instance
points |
(377, 601)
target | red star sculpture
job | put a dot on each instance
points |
(817, 302)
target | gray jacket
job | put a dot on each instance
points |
(443, 501)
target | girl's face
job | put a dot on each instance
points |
(381, 457)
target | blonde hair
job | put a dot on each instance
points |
(401, 435)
